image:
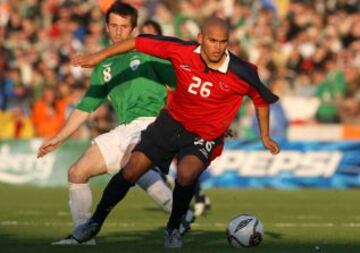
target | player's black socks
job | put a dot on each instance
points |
(198, 195)
(115, 191)
(182, 196)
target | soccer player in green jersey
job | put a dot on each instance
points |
(135, 85)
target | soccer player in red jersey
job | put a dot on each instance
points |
(211, 84)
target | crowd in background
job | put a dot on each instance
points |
(307, 52)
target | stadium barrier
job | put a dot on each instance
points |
(324, 132)
(19, 165)
(243, 164)
(299, 164)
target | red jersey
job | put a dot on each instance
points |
(205, 100)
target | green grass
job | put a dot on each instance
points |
(295, 221)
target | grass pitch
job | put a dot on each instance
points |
(295, 222)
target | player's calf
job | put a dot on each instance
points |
(156, 188)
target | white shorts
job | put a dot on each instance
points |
(116, 145)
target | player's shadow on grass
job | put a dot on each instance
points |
(151, 209)
(274, 235)
(152, 241)
(149, 241)
(215, 241)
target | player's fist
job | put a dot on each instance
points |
(48, 146)
(271, 145)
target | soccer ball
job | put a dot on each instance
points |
(244, 231)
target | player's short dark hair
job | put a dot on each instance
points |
(122, 9)
(155, 25)
(214, 21)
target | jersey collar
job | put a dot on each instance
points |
(224, 67)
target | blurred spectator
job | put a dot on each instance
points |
(164, 14)
(350, 110)
(151, 27)
(331, 92)
(15, 123)
(6, 84)
(48, 113)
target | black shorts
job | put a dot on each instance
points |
(166, 138)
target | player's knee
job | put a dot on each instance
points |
(130, 174)
(76, 175)
(186, 178)
(135, 168)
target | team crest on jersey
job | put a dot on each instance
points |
(134, 64)
(224, 86)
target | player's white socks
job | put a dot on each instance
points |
(161, 194)
(80, 203)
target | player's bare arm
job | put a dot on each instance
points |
(91, 60)
(262, 114)
(75, 120)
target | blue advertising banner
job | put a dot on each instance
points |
(299, 164)
(242, 164)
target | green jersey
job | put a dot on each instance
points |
(134, 83)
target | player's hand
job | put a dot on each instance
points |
(271, 145)
(49, 146)
(229, 133)
(87, 60)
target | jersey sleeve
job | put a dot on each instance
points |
(165, 71)
(256, 98)
(258, 92)
(159, 46)
(95, 95)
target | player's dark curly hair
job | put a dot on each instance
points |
(122, 9)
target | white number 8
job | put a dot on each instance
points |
(107, 74)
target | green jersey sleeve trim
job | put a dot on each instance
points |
(164, 71)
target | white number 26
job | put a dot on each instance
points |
(199, 87)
